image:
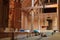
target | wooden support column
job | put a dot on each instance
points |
(32, 3)
(32, 21)
(39, 12)
(59, 14)
(39, 27)
(26, 23)
(32, 16)
(11, 11)
(21, 20)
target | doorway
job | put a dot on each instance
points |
(49, 27)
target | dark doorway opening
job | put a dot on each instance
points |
(49, 10)
(49, 27)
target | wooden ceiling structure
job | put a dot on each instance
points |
(26, 8)
(26, 4)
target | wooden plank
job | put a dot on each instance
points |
(46, 6)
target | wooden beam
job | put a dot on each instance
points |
(46, 6)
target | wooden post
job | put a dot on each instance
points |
(22, 16)
(39, 27)
(59, 14)
(26, 23)
(32, 16)
(32, 20)
(32, 3)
